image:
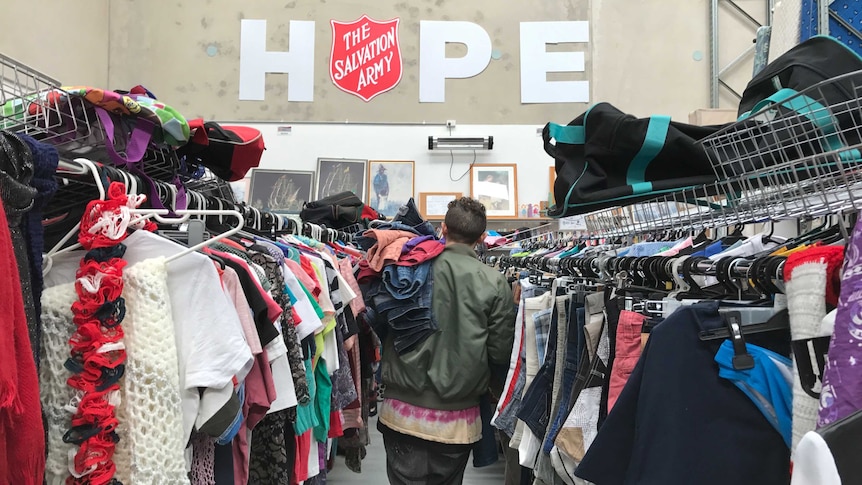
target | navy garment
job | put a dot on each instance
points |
(409, 215)
(678, 423)
(535, 409)
(223, 470)
(575, 348)
(403, 282)
(485, 451)
(410, 320)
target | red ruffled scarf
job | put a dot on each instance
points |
(97, 352)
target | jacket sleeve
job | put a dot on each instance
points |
(501, 325)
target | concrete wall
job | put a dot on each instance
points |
(196, 56)
(647, 56)
(65, 40)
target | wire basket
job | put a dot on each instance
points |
(29, 104)
(800, 157)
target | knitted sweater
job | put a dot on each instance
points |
(810, 278)
(57, 329)
(45, 160)
(151, 447)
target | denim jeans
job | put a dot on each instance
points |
(574, 342)
(409, 320)
(485, 451)
(536, 404)
(505, 422)
(409, 215)
(403, 282)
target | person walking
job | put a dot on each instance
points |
(430, 414)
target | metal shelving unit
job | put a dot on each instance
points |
(779, 165)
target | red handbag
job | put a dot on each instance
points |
(228, 151)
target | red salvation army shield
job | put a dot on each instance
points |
(366, 56)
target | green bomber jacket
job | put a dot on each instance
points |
(472, 304)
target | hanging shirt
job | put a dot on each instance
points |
(304, 306)
(233, 288)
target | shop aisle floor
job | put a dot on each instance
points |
(374, 468)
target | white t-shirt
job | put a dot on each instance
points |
(310, 323)
(210, 343)
(753, 245)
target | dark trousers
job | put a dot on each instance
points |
(414, 461)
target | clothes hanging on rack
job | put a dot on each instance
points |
(243, 338)
(653, 363)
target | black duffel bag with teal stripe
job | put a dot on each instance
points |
(606, 158)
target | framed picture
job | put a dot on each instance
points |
(240, 189)
(433, 205)
(390, 185)
(336, 175)
(496, 186)
(280, 191)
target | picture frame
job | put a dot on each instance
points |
(391, 184)
(496, 186)
(434, 205)
(280, 191)
(241, 188)
(336, 175)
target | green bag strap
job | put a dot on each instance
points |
(653, 143)
(571, 134)
(819, 115)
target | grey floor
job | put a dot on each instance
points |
(374, 468)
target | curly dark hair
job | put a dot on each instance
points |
(465, 220)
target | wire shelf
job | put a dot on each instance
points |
(29, 103)
(798, 158)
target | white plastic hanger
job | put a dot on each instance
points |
(86, 166)
(184, 216)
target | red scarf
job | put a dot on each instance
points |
(22, 437)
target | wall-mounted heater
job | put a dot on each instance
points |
(453, 143)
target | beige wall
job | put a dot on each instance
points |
(67, 40)
(641, 56)
(644, 54)
(209, 85)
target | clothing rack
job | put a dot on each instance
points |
(80, 186)
(656, 270)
